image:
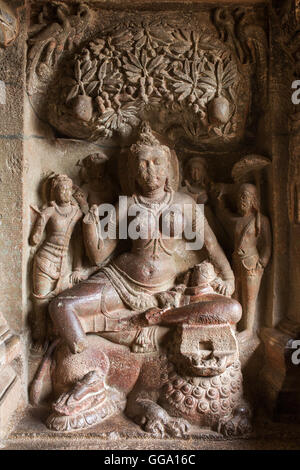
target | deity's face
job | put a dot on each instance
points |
(245, 202)
(152, 165)
(95, 170)
(63, 193)
(198, 174)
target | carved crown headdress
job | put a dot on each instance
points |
(146, 138)
(60, 179)
(56, 181)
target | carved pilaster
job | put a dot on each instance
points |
(10, 383)
(280, 382)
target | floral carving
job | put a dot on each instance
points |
(136, 70)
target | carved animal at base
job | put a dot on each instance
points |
(193, 379)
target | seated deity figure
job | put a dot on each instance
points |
(133, 282)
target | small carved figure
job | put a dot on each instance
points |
(197, 180)
(199, 185)
(49, 265)
(96, 183)
(252, 248)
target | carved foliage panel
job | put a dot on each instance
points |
(188, 74)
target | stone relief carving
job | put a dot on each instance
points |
(192, 83)
(121, 78)
(96, 184)
(251, 235)
(199, 185)
(139, 335)
(50, 260)
(135, 336)
(59, 27)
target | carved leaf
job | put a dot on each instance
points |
(164, 37)
(73, 93)
(78, 71)
(122, 38)
(102, 71)
(86, 66)
(90, 74)
(229, 75)
(107, 114)
(135, 60)
(180, 48)
(186, 34)
(144, 58)
(132, 68)
(139, 35)
(155, 62)
(208, 81)
(186, 67)
(179, 87)
(183, 76)
(184, 94)
(91, 87)
(141, 42)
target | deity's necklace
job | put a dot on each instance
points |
(62, 213)
(154, 204)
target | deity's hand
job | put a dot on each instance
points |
(153, 315)
(34, 240)
(223, 287)
(218, 190)
(76, 277)
(260, 265)
(81, 199)
(92, 216)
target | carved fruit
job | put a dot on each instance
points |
(83, 107)
(218, 111)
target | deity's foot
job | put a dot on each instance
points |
(85, 405)
(87, 393)
(84, 419)
(145, 340)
